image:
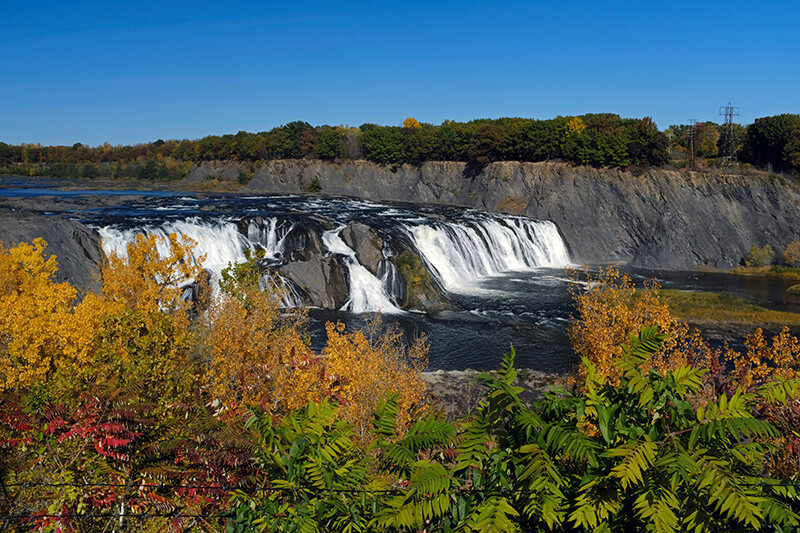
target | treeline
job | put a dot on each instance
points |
(129, 410)
(595, 139)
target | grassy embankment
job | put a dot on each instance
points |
(777, 271)
(710, 308)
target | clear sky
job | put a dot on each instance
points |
(131, 72)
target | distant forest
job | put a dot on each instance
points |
(600, 140)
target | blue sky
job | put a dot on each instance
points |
(131, 72)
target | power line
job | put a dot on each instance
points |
(323, 490)
(113, 515)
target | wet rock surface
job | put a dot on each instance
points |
(321, 281)
(366, 243)
(458, 393)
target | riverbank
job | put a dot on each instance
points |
(776, 271)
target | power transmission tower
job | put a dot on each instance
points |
(728, 155)
(690, 137)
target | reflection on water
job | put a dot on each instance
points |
(766, 291)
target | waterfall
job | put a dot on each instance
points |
(367, 293)
(459, 254)
(284, 288)
(270, 237)
(219, 241)
(391, 280)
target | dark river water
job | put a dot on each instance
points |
(528, 308)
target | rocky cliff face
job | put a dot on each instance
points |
(75, 245)
(660, 219)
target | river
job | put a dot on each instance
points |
(506, 276)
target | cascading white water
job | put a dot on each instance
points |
(219, 241)
(459, 254)
(271, 237)
(367, 294)
(285, 290)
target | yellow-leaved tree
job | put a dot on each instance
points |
(258, 353)
(366, 364)
(152, 274)
(136, 330)
(145, 336)
(41, 332)
(574, 127)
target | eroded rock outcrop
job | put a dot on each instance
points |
(420, 291)
(658, 219)
(321, 281)
(218, 170)
(366, 243)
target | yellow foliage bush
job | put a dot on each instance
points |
(121, 334)
(367, 364)
(610, 309)
(763, 361)
(260, 354)
(40, 330)
(137, 332)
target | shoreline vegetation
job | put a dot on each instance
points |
(711, 308)
(218, 415)
(600, 140)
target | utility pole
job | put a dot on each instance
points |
(728, 155)
(690, 135)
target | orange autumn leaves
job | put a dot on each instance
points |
(610, 309)
(40, 328)
(242, 349)
(260, 354)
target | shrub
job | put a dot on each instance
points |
(759, 256)
(791, 256)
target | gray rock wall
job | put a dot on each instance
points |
(660, 219)
(75, 245)
(219, 170)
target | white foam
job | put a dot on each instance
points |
(462, 254)
(367, 294)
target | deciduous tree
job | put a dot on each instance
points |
(41, 332)
(367, 364)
